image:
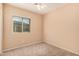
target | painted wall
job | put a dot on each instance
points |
(61, 28)
(1, 26)
(14, 39)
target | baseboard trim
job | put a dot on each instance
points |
(5, 50)
(61, 47)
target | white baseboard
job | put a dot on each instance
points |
(22, 46)
(39, 42)
(61, 47)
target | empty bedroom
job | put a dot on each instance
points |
(39, 29)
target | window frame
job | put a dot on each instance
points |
(22, 24)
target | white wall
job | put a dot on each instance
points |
(61, 28)
(1, 27)
(15, 39)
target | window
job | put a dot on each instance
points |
(21, 24)
(26, 24)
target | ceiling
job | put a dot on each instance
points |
(32, 8)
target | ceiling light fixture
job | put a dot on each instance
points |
(40, 6)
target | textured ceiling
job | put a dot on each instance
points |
(31, 7)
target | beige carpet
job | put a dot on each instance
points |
(41, 49)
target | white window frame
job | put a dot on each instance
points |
(22, 23)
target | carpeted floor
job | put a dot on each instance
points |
(41, 49)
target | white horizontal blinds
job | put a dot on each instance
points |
(26, 25)
(17, 24)
(21, 24)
